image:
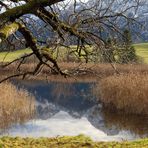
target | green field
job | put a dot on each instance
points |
(141, 50)
(10, 56)
(80, 141)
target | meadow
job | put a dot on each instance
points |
(141, 51)
(12, 55)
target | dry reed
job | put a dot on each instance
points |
(80, 69)
(16, 106)
(128, 92)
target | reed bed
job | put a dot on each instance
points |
(16, 105)
(101, 69)
(127, 92)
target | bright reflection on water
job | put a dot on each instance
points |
(64, 124)
(71, 109)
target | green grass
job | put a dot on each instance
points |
(10, 56)
(142, 51)
(80, 141)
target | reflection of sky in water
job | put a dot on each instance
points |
(70, 109)
(64, 124)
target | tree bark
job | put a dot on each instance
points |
(29, 7)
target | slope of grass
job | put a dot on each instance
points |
(62, 53)
(10, 56)
(67, 142)
(142, 51)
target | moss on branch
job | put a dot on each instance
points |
(6, 31)
(16, 12)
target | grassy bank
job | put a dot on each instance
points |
(67, 142)
(126, 92)
(61, 53)
(142, 51)
(10, 56)
(16, 106)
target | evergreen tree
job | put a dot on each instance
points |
(127, 53)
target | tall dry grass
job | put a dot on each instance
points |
(16, 106)
(128, 92)
(77, 70)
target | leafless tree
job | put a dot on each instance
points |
(87, 23)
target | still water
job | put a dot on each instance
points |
(69, 109)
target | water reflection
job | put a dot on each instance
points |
(71, 109)
(62, 124)
(137, 124)
(74, 97)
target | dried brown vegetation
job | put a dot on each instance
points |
(16, 106)
(81, 69)
(126, 92)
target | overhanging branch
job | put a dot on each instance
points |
(8, 30)
(29, 7)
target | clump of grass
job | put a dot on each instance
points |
(80, 141)
(16, 105)
(126, 92)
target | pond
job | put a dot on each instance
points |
(70, 108)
